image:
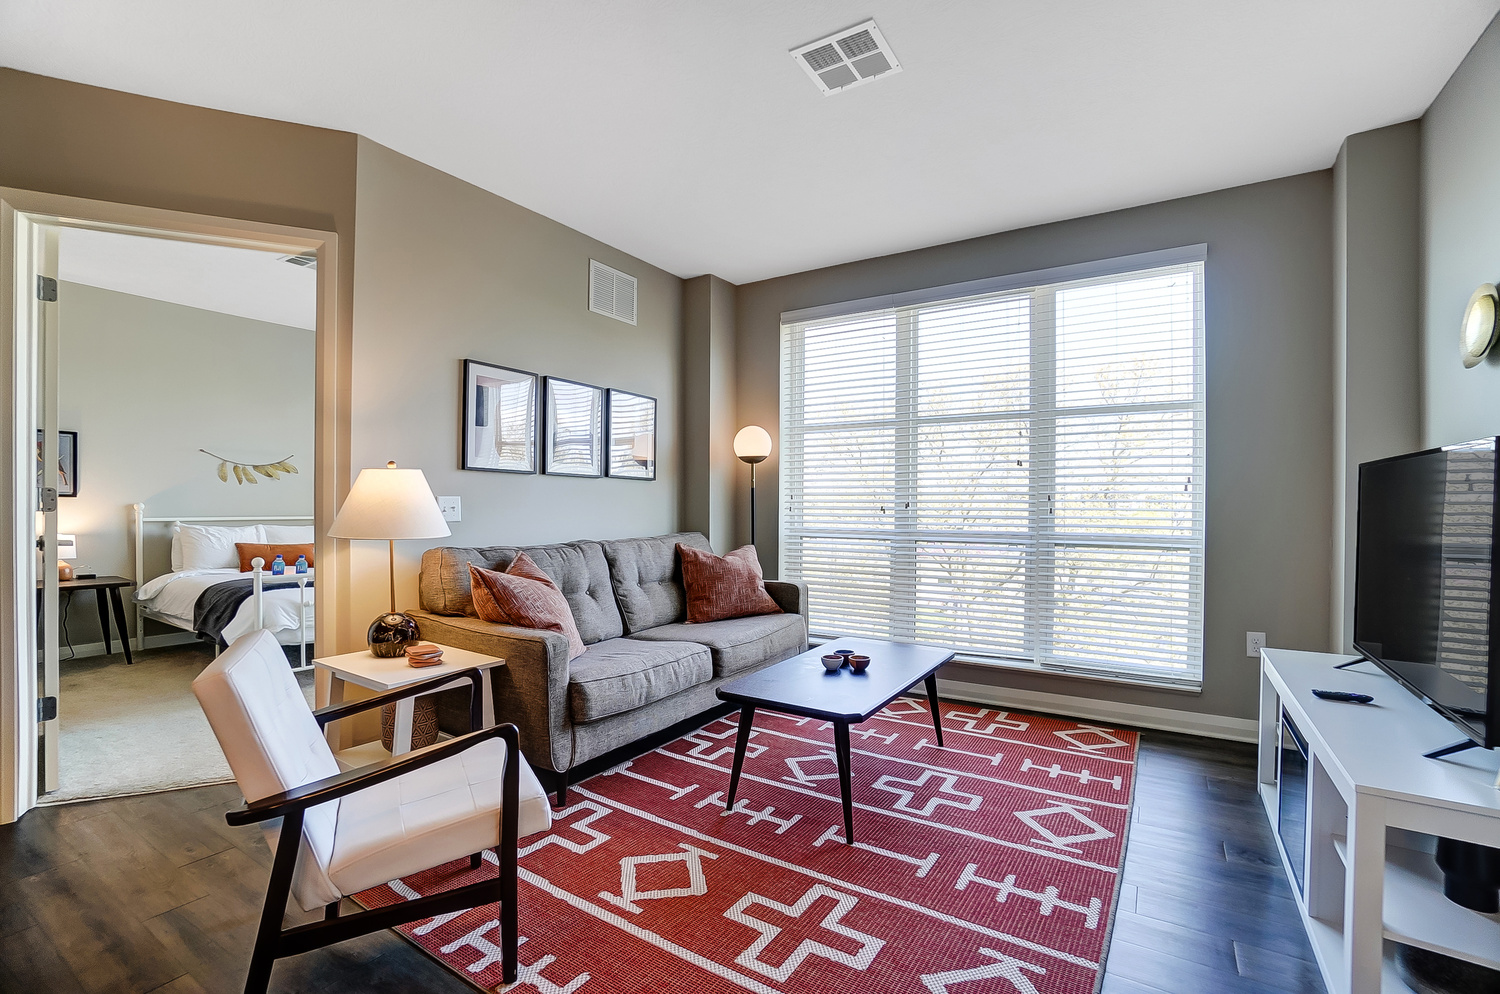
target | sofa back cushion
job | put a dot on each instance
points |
(578, 568)
(648, 578)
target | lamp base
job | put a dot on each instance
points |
(391, 633)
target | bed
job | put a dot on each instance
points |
(187, 576)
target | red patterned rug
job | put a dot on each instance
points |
(991, 865)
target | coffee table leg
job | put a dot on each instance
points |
(747, 718)
(841, 753)
(932, 701)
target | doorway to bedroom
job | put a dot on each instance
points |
(186, 426)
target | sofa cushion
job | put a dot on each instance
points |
(739, 644)
(578, 568)
(647, 578)
(623, 674)
(526, 597)
(722, 587)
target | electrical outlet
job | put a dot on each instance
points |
(452, 508)
(1254, 642)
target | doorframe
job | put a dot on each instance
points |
(21, 211)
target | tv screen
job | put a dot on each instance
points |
(1423, 602)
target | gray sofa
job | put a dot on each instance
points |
(645, 669)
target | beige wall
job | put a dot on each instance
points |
(1268, 281)
(445, 271)
(1460, 243)
(146, 384)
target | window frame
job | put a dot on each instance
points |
(1042, 415)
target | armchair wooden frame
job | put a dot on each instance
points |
(273, 942)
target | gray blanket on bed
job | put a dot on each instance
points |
(217, 606)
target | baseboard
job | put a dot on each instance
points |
(152, 642)
(1213, 726)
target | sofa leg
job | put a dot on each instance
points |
(562, 790)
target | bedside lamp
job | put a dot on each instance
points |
(752, 444)
(389, 504)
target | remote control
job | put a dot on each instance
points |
(1345, 696)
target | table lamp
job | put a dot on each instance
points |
(390, 504)
(752, 444)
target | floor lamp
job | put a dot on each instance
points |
(752, 444)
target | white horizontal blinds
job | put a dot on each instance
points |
(1018, 474)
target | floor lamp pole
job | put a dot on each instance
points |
(752, 503)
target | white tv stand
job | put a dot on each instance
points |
(1373, 802)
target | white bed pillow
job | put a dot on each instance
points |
(289, 534)
(210, 546)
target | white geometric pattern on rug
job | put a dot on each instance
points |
(869, 944)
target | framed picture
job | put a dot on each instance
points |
(573, 428)
(500, 418)
(632, 436)
(67, 463)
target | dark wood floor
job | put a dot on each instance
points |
(156, 893)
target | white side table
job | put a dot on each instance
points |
(379, 673)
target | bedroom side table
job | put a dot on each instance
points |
(377, 673)
(107, 591)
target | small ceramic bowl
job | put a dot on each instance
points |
(858, 663)
(832, 662)
(846, 653)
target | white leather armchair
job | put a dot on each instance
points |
(363, 827)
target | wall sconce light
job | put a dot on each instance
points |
(1478, 332)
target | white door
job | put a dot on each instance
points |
(49, 482)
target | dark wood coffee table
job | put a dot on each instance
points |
(801, 686)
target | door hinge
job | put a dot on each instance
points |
(46, 708)
(46, 288)
(46, 498)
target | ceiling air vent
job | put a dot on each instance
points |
(309, 261)
(847, 58)
(611, 292)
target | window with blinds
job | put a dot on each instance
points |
(1015, 472)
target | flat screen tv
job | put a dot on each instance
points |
(1424, 604)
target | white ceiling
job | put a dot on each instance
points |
(243, 282)
(682, 132)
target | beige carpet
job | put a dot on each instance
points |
(133, 729)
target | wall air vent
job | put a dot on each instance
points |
(611, 292)
(304, 261)
(847, 58)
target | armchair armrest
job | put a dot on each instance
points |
(340, 784)
(476, 703)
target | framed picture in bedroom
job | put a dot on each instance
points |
(67, 463)
(632, 436)
(572, 428)
(500, 418)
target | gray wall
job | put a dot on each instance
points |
(146, 384)
(1460, 243)
(1269, 363)
(1376, 378)
(445, 271)
(708, 408)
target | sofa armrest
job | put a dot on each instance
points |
(790, 596)
(530, 690)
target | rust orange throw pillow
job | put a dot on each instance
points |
(255, 550)
(526, 597)
(720, 587)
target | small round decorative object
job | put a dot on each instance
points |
(846, 653)
(858, 663)
(832, 662)
(1478, 332)
(390, 634)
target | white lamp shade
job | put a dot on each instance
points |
(752, 442)
(390, 503)
(67, 546)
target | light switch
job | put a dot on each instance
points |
(452, 508)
